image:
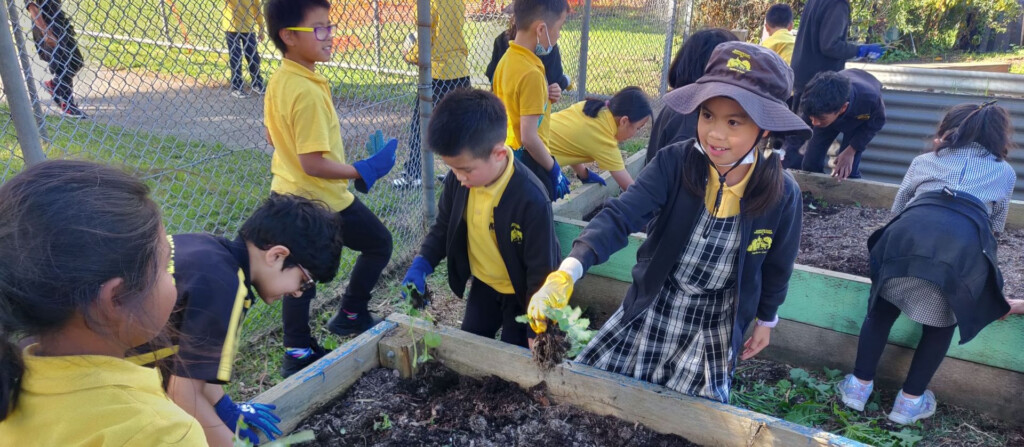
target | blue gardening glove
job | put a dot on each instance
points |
(871, 51)
(256, 416)
(378, 164)
(416, 276)
(558, 179)
(592, 177)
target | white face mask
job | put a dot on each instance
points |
(540, 50)
(747, 159)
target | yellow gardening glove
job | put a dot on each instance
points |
(554, 293)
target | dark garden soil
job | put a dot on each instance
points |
(440, 407)
(835, 237)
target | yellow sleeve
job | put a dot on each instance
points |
(310, 122)
(608, 156)
(532, 94)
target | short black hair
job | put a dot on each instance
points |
(281, 14)
(526, 12)
(467, 119)
(779, 16)
(825, 93)
(310, 230)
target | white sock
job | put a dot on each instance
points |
(914, 401)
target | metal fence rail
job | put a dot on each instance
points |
(916, 100)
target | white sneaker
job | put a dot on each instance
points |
(906, 412)
(239, 94)
(404, 182)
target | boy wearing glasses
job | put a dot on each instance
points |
(309, 161)
(288, 245)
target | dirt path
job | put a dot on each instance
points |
(194, 111)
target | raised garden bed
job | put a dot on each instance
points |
(834, 237)
(440, 407)
(594, 391)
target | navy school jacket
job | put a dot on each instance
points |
(523, 226)
(821, 45)
(865, 115)
(768, 247)
(944, 237)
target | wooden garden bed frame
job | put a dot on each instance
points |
(661, 409)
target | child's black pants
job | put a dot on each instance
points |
(364, 233)
(487, 311)
(931, 350)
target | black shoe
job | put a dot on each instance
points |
(292, 365)
(343, 326)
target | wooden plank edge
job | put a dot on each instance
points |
(657, 407)
(874, 194)
(302, 394)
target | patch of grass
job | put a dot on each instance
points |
(810, 398)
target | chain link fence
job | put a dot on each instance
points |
(155, 84)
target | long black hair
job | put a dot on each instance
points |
(986, 124)
(691, 59)
(630, 102)
(66, 227)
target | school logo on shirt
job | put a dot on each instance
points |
(740, 63)
(517, 233)
(864, 117)
(761, 243)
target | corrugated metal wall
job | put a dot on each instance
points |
(915, 101)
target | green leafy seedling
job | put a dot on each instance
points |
(384, 424)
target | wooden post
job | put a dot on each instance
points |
(397, 352)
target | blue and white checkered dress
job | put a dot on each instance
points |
(682, 340)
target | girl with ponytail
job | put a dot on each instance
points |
(84, 272)
(591, 130)
(935, 261)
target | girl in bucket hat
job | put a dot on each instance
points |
(720, 252)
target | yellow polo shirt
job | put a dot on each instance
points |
(520, 83)
(485, 261)
(578, 138)
(94, 401)
(299, 113)
(782, 43)
(731, 195)
(449, 52)
(242, 16)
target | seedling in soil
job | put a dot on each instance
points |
(383, 424)
(415, 306)
(564, 339)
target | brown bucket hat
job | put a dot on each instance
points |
(753, 76)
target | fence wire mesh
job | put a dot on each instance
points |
(156, 85)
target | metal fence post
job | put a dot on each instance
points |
(17, 95)
(26, 68)
(377, 32)
(581, 82)
(425, 91)
(667, 57)
(162, 5)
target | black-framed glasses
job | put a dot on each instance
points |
(319, 32)
(307, 280)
